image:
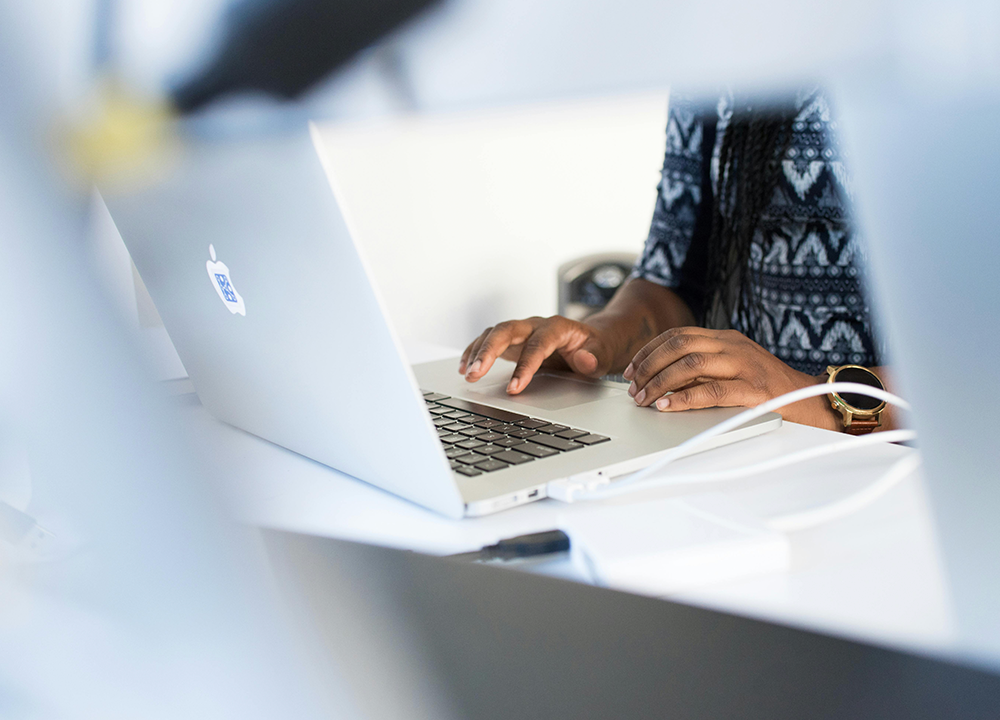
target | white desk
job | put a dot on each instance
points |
(875, 575)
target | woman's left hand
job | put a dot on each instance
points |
(719, 368)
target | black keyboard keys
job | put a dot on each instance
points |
(591, 439)
(470, 444)
(472, 458)
(558, 443)
(479, 438)
(514, 457)
(532, 424)
(509, 442)
(571, 434)
(552, 428)
(491, 465)
(536, 450)
(490, 449)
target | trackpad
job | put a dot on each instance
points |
(547, 392)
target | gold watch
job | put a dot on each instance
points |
(861, 413)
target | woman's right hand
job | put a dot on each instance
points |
(531, 343)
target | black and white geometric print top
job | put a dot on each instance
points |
(810, 270)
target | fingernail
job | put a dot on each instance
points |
(663, 403)
(475, 366)
(640, 397)
(631, 389)
(512, 385)
(629, 371)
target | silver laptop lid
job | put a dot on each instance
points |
(249, 260)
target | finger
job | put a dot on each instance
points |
(512, 332)
(668, 351)
(542, 343)
(470, 351)
(474, 348)
(693, 368)
(659, 340)
(716, 393)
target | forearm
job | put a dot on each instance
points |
(638, 312)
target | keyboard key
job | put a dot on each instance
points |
(522, 433)
(453, 438)
(438, 422)
(434, 397)
(484, 410)
(468, 470)
(455, 465)
(470, 444)
(490, 449)
(456, 426)
(489, 436)
(456, 415)
(514, 457)
(571, 434)
(438, 410)
(491, 465)
(474, 431)
(472, 458)
(453, 452)
(505, 429)
(592, 439)
(509, 442)
(532, 424)
(487, 423)
(552, 429)
(556, 442)
(536, 450)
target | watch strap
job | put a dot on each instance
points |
(861, 425)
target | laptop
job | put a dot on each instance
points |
(263, 289)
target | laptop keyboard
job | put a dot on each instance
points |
(481, 439)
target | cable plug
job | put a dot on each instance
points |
(549, 542)
(572, 488)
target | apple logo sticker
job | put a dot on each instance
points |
(219, 275)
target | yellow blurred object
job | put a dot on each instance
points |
(119, 138)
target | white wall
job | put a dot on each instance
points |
(465, 218)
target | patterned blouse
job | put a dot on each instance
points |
(811, 268)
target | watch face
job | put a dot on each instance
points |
(865, 377)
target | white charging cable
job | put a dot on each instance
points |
(864, 497)
(744, 471)
(594, 487)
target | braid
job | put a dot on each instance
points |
(749, 166)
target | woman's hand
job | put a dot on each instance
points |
(554, 342)
(719, 368)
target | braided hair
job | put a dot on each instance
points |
(749, 168)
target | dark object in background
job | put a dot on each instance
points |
(505, 644)
(284, 47)
(588, 283)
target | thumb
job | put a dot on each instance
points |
(591, 359)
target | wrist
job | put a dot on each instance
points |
(816, 411)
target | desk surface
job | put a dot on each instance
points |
(875, 575)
